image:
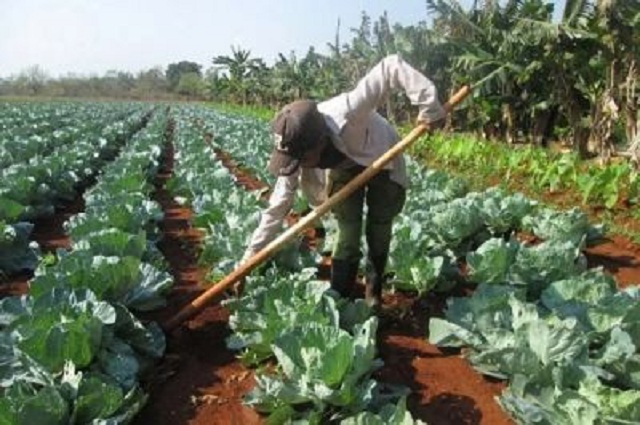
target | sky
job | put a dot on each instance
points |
(88, 37)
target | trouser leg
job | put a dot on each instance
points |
(385, 199)
(343, 276)
(346, 251)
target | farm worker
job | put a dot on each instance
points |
(345, 134)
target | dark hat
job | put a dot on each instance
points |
(296, 129)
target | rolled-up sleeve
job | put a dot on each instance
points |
(393, 73)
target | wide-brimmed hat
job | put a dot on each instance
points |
(297, 128)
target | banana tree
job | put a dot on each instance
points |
(618, 26)
(240, 65)
(592, 55)
(490, 48)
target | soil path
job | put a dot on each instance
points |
(445, 389)
(199, 380)
(619, 257)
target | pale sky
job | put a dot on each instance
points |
(94, 36)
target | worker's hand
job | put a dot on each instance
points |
(238, 287)
(433, 125)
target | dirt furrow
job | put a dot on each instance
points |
(199, 381)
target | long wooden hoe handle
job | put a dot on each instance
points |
(200, 302)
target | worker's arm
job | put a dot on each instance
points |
(312, 182)
(390, 74)
(280, 203)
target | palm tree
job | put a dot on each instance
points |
(289, 78)
(240, 66)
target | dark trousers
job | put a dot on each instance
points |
(384, 199)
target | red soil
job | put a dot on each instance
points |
(619, 257)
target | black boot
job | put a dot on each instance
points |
(343, 276)
(375, 281)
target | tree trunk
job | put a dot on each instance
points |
(631, 125)
(630, 103)
(634, 149)
(540, 130)
(448, 125)
(508, 116)
(580, 134)
(604, 117)
(602, 129)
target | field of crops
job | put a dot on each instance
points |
(114, 216)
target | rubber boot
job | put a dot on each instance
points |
(374, 281)
(343, 276)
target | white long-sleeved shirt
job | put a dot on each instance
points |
(359, 132)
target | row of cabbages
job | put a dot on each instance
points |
(72, 351)
(562, 335)
(49, 167)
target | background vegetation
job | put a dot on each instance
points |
(573, 78)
